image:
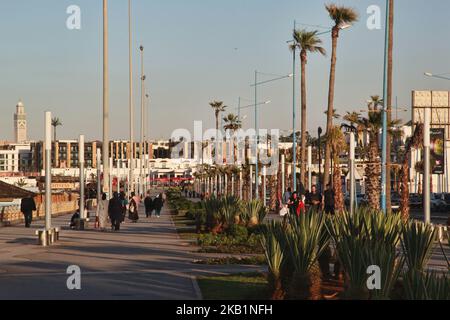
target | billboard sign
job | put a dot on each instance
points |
(437, 150)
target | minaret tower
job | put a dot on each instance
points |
(20, 123)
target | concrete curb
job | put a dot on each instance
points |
(197, 290)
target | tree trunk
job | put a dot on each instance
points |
(373, 172)
(303, 59)
(339, 204)
(389, 102)
(327, 166)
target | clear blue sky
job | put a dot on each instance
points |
(191, 59)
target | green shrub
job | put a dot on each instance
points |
(238, 232)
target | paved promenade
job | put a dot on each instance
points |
(146, 260)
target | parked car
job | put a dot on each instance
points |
(415, 200)
(438, 202)
(447, 200)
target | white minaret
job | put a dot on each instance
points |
(20, 123)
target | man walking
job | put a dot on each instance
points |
(148, 202)
(115, 212)
(158, 204)
(27, 206)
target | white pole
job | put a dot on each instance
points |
(240, 184)
(81, 166)
(110, 177)
(426, 182)
(352, 173)
(131, 107)
(105, 97)
(99, 183)
(283, 173)
(264, 186)
(251, 182)
(309, 168)
(48, 172)
(232, 184)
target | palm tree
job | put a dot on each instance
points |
(233, 123)
(305, 41)
(389, 100)
(217, 107)
(336, 140)
(56, 122)
(341, 16)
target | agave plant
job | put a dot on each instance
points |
(426, 286)
(364, 239)
(305, 245)
(212, 208)
(418, 242)
(254, 212)
(274, 253)
(230, 210)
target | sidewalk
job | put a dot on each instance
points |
(147, 260)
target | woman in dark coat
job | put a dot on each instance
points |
(133, 214)
(115, 211)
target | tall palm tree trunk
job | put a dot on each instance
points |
(303, 59)
(389, 101)
(373, 173)
(327, 165)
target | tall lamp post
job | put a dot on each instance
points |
(384, 173)
(105, 100)
(255, 85)
(141, 160)
(131, 107)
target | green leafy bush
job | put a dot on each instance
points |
(237, 231)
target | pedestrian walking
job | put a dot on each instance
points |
(103, 208)
(158, 204)
(314, 199)
(329, 200)
(124, 203)
(133, 214)
(115, 212)
(27, 206)
(148, 202)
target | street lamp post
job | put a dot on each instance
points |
(352, 172)
(294, 117)
(426, 175)
(384, 174)
(105, 99)
(141, 160)
(45, 235)
(255, 85)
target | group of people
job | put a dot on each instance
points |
(116, 209)
(297, 203)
